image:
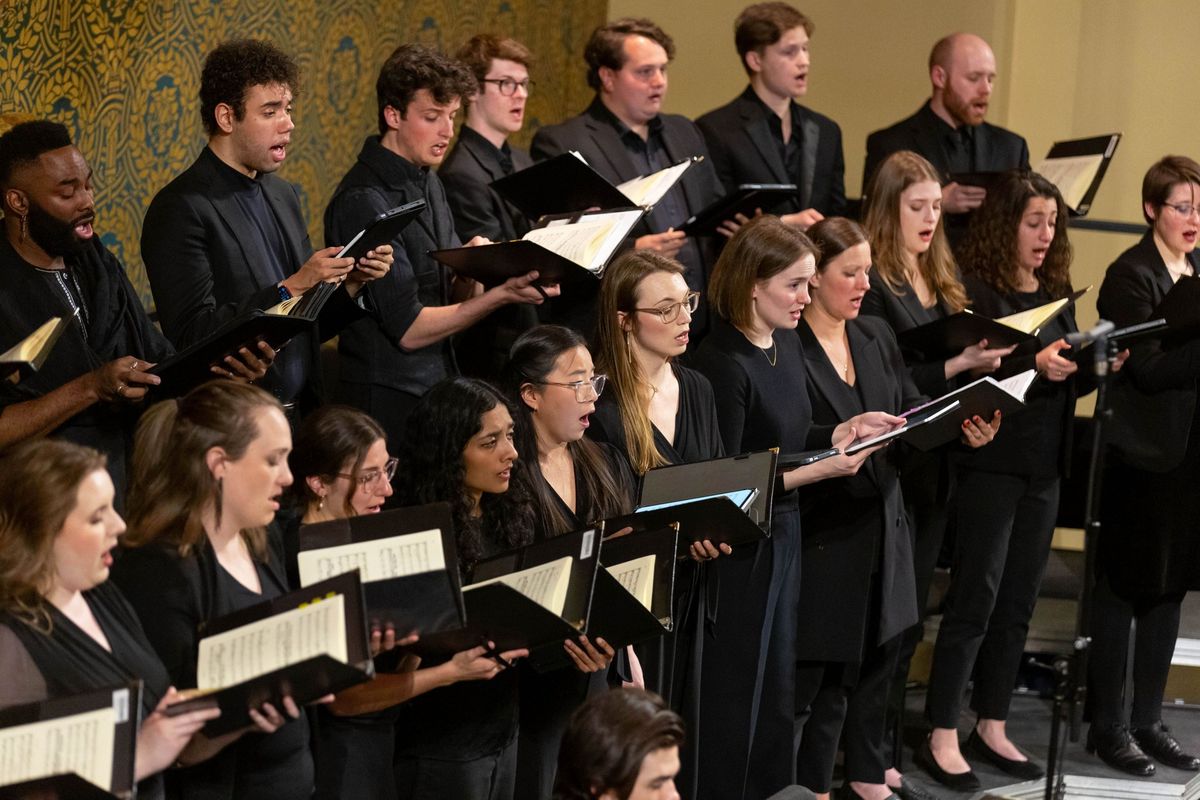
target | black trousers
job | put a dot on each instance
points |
(490, 777)
(845, 706)
(1154, 644)
(1004, 527)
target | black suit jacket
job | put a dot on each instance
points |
(744, 151)
(1154, 395)
(466, 174)
(845, 519)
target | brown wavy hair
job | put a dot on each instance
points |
(41, 480)
(881, 219)
(760, 250)
(614, 355)
(990, 249)
(171, 483)
(328, 438)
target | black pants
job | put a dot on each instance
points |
(850, 708)
(490, 777)
(1154, 644)
(1004, 527)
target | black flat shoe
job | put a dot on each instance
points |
(911, 790)
(961, 781)
(1025, 770)
(1116, 747)
(1158, 742)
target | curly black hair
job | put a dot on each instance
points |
(412, 67)
(432, 469)
(235, 66)
(22, 144)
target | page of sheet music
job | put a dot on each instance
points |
(376, 560)
(1032, 319)
(80, 743)
(545, 584)
(1071, 174)
(588, 242)
(649, 189)
(1018, 385)
(637, 576)
(228, 658)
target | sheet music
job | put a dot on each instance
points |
(1017, 385)
(589, 242)
(649, 189)
(1073, 175)
(1032, 319)
(546, 584)
(79, 743)
(637, 576)
(228, 658)
(376, 560)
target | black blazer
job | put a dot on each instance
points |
(996, 149)
(744, 151)
(478, 211)
(904, 312)
(849, 523)
(1154, 396)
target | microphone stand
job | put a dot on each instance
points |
(1070, 690)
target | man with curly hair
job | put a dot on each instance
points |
(402, 348)
(227, 236)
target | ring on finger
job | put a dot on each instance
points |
(121, 389)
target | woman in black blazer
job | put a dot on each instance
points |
(1019, 257)
(1149, 552)
(856, 586)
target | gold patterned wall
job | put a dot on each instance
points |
(124, 75)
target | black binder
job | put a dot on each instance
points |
(28, 355)
(382, 230)
(617, 616)
(126, 702)
(746, 199)
(305, 680)
(981, 398)
(718, 519)
(1103, 146)
(424, 603)
(1181, 309)
(558, 185)
(500, 614)
(791, 461)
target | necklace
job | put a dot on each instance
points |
(773, 358)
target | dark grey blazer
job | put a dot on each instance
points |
(743, 151)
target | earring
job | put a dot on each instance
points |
(217, 500)
(24, 226)
(321, 503)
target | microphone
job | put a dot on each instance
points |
(1099, 331)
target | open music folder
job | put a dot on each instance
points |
(950, 335)
(635, 590)
(306, 644)
(28, 355)
(567, 183)
(55, 744)
(746, 199)
(569, 248)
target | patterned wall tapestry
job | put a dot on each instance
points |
(123, 75)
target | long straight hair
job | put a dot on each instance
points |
(532, 359)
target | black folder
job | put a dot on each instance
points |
(703, 479)
(67, 786)
(424, 603)
(981, 398)
(500, 614)
(791, 461)
(382, 230)
(305, 680)
(710, 517)
(1103, 146)
(617, 616)
(746, 199)
(558, 185)
(1181, 309)
(189, 368)
(28, 355)
(125, 700)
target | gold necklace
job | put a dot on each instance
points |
(772, 360)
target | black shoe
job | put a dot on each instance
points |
(1158, 742)
(911, 790)
(1025, 770)
(1116, 747)
(961, 781)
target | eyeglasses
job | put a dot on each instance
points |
(670, 313)
(371, 478)
(1184, 210)
(585, 391)
(508, 86)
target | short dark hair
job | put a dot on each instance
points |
(606, 47)
(478, 53)
(763, 24)
(22, 144)
(235, 66)
(608, 738)
(412, 67)
(1160, 179)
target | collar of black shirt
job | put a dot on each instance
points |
(395, 170)
(624, 131)
(501, 154)
(236, 178)
(773, 120)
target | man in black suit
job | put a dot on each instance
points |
(949, 130)
(389, 359)
(227, 236)
(623, 135)
(482, 154)
(764, 135)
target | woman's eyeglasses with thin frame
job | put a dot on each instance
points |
(367, 479)
(585, 391)
(670, 313)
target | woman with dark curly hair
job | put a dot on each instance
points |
(1018, 257)
(460, 741)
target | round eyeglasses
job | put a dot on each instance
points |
(670, 313)
(371, 477)
(508, 86)
(585, 391)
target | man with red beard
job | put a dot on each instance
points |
(949, 129)
(52, 264)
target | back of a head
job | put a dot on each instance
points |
(607, 739)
